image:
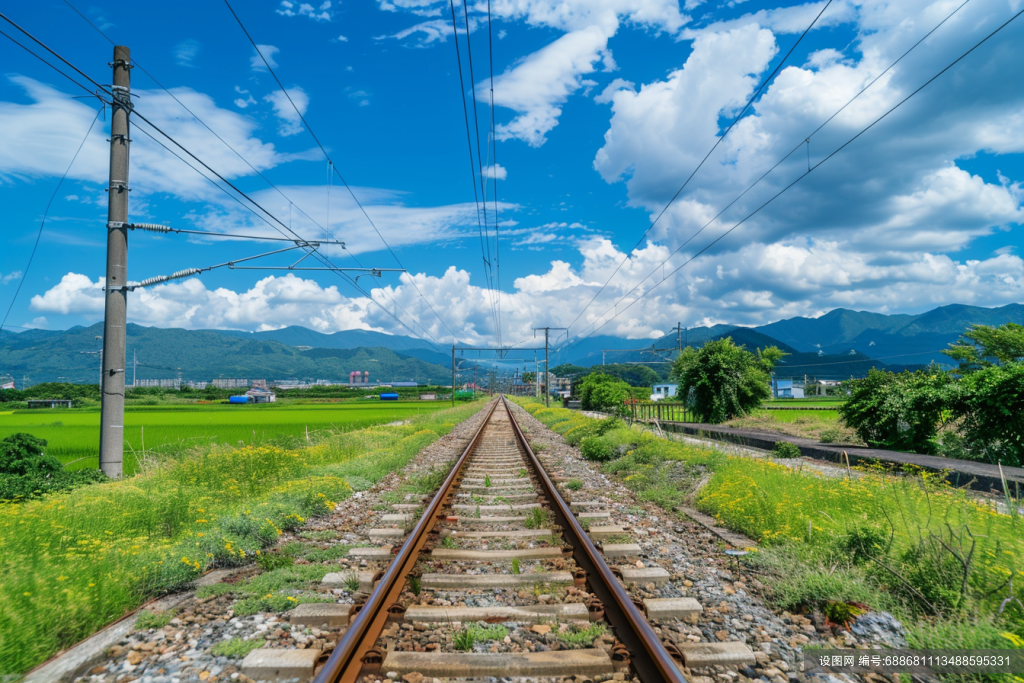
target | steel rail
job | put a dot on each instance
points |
(350, 655)
(648, 655)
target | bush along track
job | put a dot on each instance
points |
(939, 566)
(72, 562)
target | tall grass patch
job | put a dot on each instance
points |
(72, 562)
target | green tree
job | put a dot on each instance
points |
(983, 346)
(988, 406)
(721, 381)
(898, 411)
(599, 391)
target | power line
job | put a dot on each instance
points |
(104, 90)
(412, 279)
(806, 140)
(254, 169)
(814, 167)
(494, 168)
(747, 106)
(481, 226)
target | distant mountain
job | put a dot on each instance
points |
(901, 339)
(201, 355)
(895, 340)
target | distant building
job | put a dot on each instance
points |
(428, 397)
(660, 391)
(260, 395)
(784, 388)
(49, 403)
(230, 383)
(173, 383)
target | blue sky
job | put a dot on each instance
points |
(603, 108)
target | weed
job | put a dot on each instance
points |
(468, 637)
(536, 518)
(487, 480)
(579, 637)
(574, 484)
(785, 449)
(147, 620)
(464, 640)
(449, 542)
(415, 585)
(271, 561)
(521, 473)
(235, 647)
(830, 435)
(352, 583)
(515, 565)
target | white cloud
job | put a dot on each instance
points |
(186, 52)
(4, 279)
(41, 135)
(303, 9)
(342, 39)
(496, 171)
(242, 103)
(288, 117)
(543, 81)
(268, 52)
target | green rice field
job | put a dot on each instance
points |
(73, 435)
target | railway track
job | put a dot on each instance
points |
(499, 544)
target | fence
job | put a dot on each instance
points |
(661, 411)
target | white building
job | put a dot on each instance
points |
(660, 391)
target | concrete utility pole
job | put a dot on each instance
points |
(547, 367)
(453, 374)
(679, 336)
(115, 311)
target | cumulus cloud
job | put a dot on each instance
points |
(290, 122)
(495, 171)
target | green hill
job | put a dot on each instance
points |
(45, 356)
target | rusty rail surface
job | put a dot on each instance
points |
(648, 655)
(356, 647)
(639, 644)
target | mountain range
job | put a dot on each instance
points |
(839, 343)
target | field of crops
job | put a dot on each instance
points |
(73, 435)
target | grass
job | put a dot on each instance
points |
(810, 424)
(578, 637)
(468, 637)
(147, 620)
(943, 561)
(73, 435)
(537, 518)
(235, 647)
(71, 563)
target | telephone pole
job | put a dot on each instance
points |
(547, 368)
(453, 374)
(116, 294)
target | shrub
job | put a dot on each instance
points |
(596, 448)
(785, 449)
(990, 407)
(863, 543)
(721, 381)
(897, 411)
(26, 471)
(603, 392)
(830, 435)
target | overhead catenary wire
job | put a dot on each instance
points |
(494, 169)
(804, 141)
(739, 117)
(102, 89)
(482, 228)
(412, 278)
(814, 167)
(250, 165)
